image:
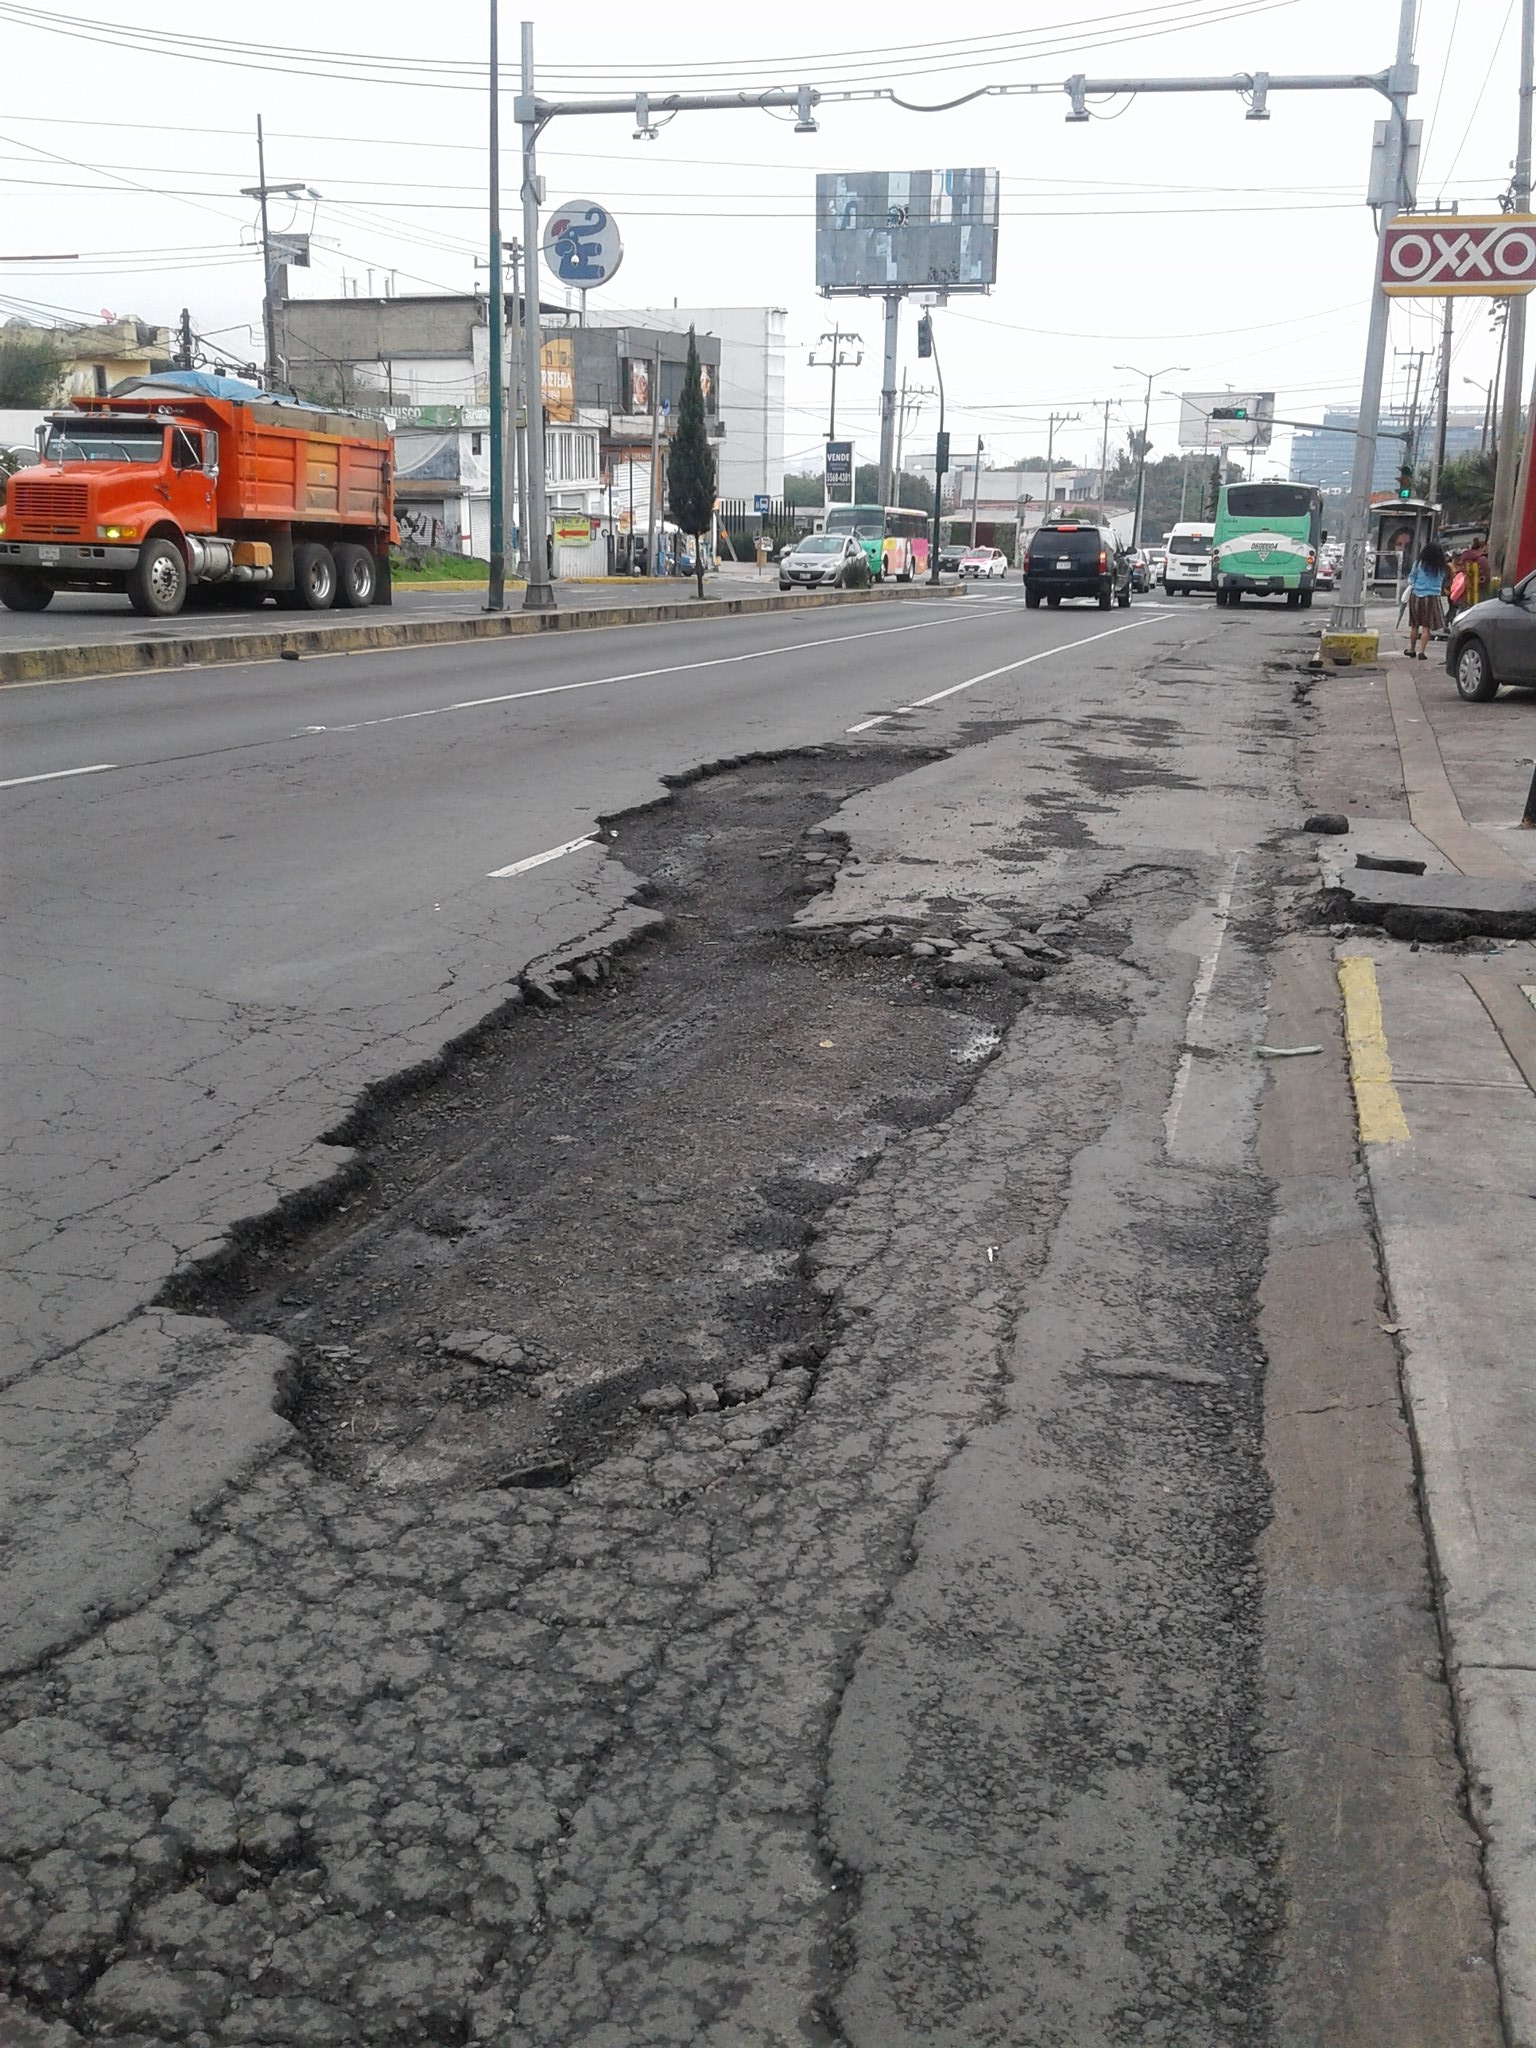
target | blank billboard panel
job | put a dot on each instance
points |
(1227, 419)
(915, 230)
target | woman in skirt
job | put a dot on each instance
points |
(1426, 590)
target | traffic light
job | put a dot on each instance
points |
(925, 334)
(1229, 412)
(1405, 481)
(941, 455)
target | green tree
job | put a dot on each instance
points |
(805, 487)
(1466, 490)
(691, 464)
(30, 369)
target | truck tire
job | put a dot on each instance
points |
(23, 590)
(157, 582)
(314, 577)
(356, 575)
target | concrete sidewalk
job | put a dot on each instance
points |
(1443, 1055)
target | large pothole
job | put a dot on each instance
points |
(611, 1196)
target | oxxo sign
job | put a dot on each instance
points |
(1441, 256)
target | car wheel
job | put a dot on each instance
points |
(157, 582)
(356, 576)
(1106, 599)
(23, 590)
(1125, 598)
(314, 577)
(1032, 600)
(1476, 682)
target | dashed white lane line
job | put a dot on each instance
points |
(1044, 654)
(1195, 1015)
(643, 675)
(539, 860)
(60, 774)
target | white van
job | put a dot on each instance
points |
(1190, 565)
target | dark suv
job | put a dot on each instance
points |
(1076, 558)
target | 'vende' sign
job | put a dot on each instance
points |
(1464, 255)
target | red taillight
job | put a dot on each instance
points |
(1103, 559)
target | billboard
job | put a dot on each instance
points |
(839, 468)
(557, 377)
(1248, 422)
(880, 231)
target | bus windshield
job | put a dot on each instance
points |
(1269, 501)
(866, 521)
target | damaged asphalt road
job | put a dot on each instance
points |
(759, 1545)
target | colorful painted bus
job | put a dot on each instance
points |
(1267, 541)
(894, 538)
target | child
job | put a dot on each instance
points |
(1426, 586)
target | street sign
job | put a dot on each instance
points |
(839, 470)
(761, 502)
(1440, 256)
(581, 244)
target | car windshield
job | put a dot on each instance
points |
(820, 544)
(105, 441)
(867, 521)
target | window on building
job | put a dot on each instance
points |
(474, 444)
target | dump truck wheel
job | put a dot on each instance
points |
(356, 576)
(157, 582)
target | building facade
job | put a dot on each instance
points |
(424, 363)
(1327, 459)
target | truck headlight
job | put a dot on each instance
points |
(2, 529)
(117, 533)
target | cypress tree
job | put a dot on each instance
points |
(691, 466)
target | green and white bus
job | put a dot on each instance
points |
(894, 537)
(1267, 541)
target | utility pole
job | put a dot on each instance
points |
(1061, 419)
(901, 430)
(940, 455)
(1442, 402)
(888, 395)
(262, 191)
(835, 360)
(1146, 428)
(1104, 461)
(650, 525)
(496, 593)
(515, 355)
(976, 489)
(1502, 534)
(1349, 610)
(184, 342)
(1411, 445)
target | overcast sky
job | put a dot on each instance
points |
(1167, 231)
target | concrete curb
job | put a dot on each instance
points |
(130, 657)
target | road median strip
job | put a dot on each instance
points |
(24, 665)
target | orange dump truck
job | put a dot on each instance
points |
(187, 485)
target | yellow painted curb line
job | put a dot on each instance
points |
(1377, 1107)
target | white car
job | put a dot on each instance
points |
(983, 562)
(818, 560)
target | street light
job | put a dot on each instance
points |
(1146, 421)
(1487, 391)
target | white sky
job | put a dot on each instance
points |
(1171, 232)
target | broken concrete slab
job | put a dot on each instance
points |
(1492, 907)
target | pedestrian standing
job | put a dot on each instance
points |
(1426, 593)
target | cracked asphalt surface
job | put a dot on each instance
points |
(881, 1664)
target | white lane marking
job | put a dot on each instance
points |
(638, 675)
(59, 774)
(538, 860)
(1195, 1015)
(1045, 653)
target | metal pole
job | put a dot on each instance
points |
(1349, 612)
(520, 509)
(901, 431)
(1141, 466)
(650, 525)
(837, 344)
(539, 596)
(496, 592)
(976, 490)
(1104, 461)
(1501, 537)
(1050, 462)
(888, 395)
(1442, 403)
(938, 474)
(270, 367)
